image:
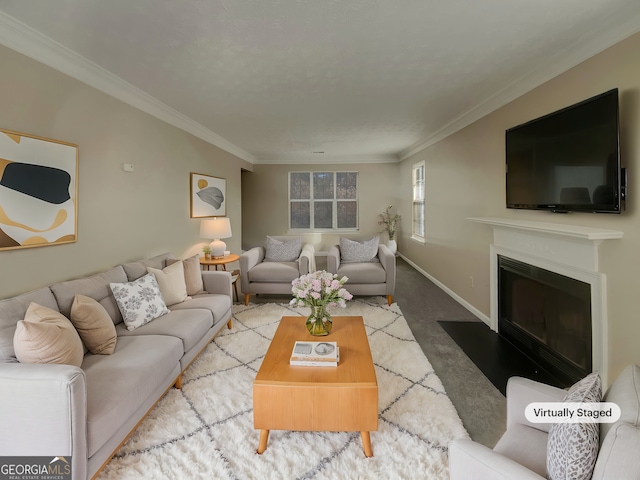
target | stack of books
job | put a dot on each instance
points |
(315, 354)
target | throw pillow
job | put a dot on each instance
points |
(139, 301)
(352, 251)
(192, 274)
(171, 282)
(94, 325)
(283, 251)
(572, 448)
(47, 336)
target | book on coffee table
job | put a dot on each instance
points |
(315, 354)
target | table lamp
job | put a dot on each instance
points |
(216, 228)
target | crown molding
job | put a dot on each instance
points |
(314, 159)
(27, 41)
(578, 52)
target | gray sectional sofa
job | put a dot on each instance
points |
(86, 413)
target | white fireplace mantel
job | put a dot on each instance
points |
(568, 250)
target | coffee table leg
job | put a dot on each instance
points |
(264, 437)
(366, 444)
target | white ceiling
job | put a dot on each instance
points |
(274, 81)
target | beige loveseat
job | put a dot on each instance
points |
(87, 412)
(521, 453)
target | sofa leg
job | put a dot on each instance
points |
(246, 299)
(389, 299)
(178, 383)
(230, 324)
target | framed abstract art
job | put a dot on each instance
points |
(38, 191)
(208, 196)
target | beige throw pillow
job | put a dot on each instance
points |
(192, 274)
(94, 325)
(47, 336)
(171, 282)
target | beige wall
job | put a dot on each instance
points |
(265, 201)
(465, 178)
(121, 216)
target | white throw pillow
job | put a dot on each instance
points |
(171, 282)
(283, 251)
(572, 448)
(352, 251)
(47, 336)
(192, 274)
(139, 301)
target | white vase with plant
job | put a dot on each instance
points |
(389, 222)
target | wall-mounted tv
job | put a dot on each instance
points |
(569, 160)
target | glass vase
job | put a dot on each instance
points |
(319, 322)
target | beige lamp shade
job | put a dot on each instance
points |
(216, 228)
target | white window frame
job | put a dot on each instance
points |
(418, 201)
(334, 202)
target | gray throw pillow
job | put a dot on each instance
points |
(352, 251)
(572, 448)
(139, 301)
(283, 251)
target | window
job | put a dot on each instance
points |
(323, 200)
(418, 201)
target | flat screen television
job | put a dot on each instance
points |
(569, 160)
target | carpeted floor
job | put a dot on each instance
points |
(206, 429)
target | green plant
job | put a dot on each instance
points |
(389, 222)
(206, 250)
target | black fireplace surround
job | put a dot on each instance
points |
(547, 316)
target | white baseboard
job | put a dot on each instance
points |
(450, 292)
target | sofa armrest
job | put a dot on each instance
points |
(217, 282)
(333, 259)
(248, 260)
(44, 412)
(469, 460)
(388, 261)
(523, 391)
(307, 260)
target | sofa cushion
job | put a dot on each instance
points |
(217, 304)
(572, 448)
(171, 282)
(47, 336)
(94, 325)
(352, 251)
(625, 392)
(117, 384)
(274, 272)
(12, 310)
(366, 273)
(135, 270)
(283, 250)
(187, 325)
(192, 274)
(139, 301)
(94, 286)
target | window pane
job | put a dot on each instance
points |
(347, 185)
(418, 218)
(323, 185)
(300, 215)
(300, 184)
(323, 214)
(347, 214)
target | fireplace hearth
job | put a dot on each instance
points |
(547, 316)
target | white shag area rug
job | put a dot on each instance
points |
(205, 430)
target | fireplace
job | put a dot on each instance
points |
(547, 316)
(569, 253)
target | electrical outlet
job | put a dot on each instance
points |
(127, 167)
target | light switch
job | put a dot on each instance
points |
(127, 167)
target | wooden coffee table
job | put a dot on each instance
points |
(336, 399)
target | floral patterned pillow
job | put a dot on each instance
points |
(139, 301)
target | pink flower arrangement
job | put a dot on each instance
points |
(319, 289)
